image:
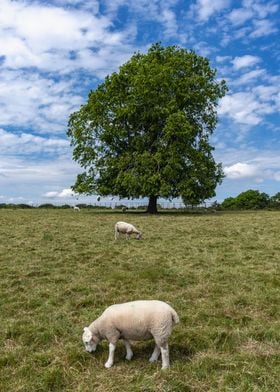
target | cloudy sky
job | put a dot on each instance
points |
(52, 52)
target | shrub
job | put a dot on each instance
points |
(275, 200)
(47, 205)
(24, 206)
(229, 203)
(251, 199)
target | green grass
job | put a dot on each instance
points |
(60, 270)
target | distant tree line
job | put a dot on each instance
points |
(67, 206)
(251, 199)
(248, 200)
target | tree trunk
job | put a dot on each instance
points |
(152, 206)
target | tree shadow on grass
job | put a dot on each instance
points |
(159, 213)
(180, 352)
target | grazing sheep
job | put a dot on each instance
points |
(137, 320)
(127, 229)
(75, 208)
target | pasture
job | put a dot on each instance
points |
(61, 269)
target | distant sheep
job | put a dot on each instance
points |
(76, 208)
(137, 320)
(124, 209)
(127, 229)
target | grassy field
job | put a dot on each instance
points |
(60, 269)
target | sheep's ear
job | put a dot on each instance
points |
(87, 331)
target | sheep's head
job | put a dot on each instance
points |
(90, 340)
(139, 236)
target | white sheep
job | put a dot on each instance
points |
(127, 229)
(137, 320)
(76, 208)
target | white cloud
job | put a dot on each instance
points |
(207, 8)
(250, 10)
(239, 16)
(268, 93)
(29, 178)
(43, 50)
(251, 165)
(250, 76)
(263, 10)
(250, 107)
(23, 172)
(277, 176)
(251, 21)
(65, 193)
(245, 61)
(56, 39)
(168, 18)
(241, 107)
(222, 59)
(26, 143)
(88, 5)
(28, 99)
(262, 28)
(241, 170)
(44, 27)
(50, 194)
(159, 11)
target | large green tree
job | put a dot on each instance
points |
(144, 131)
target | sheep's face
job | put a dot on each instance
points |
(90, 340)
(139, 236)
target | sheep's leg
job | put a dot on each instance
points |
(164, 355)
(129, 353)
(110, 360)
(116, 234)
(155, 354)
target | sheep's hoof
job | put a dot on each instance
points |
(164, 367)
(129, 357)
(108, 364)
(152, 359)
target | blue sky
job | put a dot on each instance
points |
(53, 52)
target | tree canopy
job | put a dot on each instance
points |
(250, 199)
(144, 131)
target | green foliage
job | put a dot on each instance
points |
(229, 203)
(145, 130)
(10, 205)
(251, 199)
(65, 206)
(275, 200)
(47, 205)
(81, 205)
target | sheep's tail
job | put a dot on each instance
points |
(175, 317)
